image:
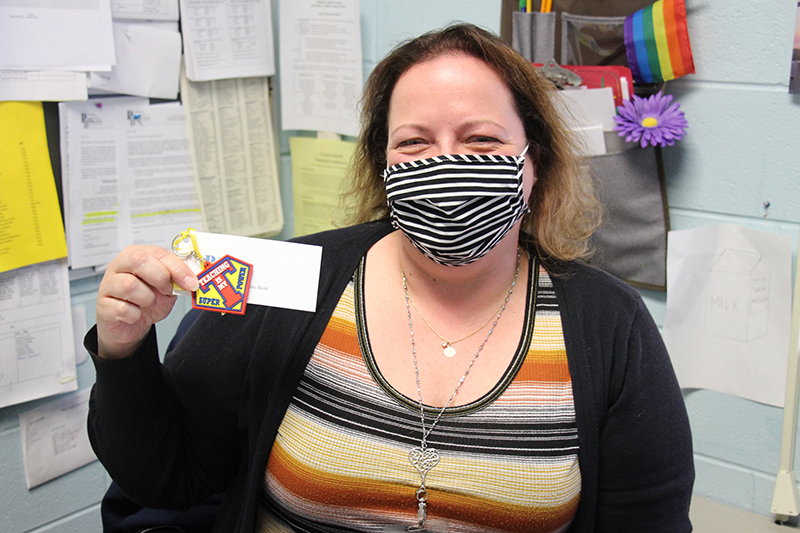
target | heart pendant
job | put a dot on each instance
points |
(423, 460)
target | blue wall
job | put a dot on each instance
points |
(742, 149)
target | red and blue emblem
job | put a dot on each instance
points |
(224, 286)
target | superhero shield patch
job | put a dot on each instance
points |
(224, 286)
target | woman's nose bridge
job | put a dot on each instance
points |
(448, 145)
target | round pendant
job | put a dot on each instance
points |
(449, 351)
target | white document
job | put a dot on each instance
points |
(92, 185)
(129, 177)
(148, 62)
(285, 274)
(37, 354)
(54, 438)
(321, 67)
(42, 85)
(234, 155)
(159, 188)
(729, 310)
(590, 107)
(589, 112)
(145, 9)
(227, 39)
(56, 35)
(593, 142)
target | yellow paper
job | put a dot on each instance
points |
(319, 177)
(31, 230)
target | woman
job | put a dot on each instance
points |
(462, 371)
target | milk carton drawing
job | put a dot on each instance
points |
(737, 297)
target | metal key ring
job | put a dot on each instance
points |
(185, 252)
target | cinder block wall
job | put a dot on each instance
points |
(742, 150)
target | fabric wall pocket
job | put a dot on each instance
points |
(533, 35)
(632, 242)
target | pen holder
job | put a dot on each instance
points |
(533, 35)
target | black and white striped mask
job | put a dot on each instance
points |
(456, 208)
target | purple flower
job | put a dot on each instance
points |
(651, 120)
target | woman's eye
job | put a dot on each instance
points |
(484, 139)
(410, 142)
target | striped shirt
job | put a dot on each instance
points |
(508, 461)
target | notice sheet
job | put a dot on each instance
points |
(319, 177)
(234, 155)
(129, 176)
(37, 354)
(30, 218)
(321, 68)
(42, 85)
(56, 35)
(145, 9)
(227, 39)
(54, 438)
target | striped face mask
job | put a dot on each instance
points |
(456, 208)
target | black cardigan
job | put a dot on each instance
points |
(204, 422)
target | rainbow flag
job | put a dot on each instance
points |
(657, 42)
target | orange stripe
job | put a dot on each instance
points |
(340, 336)
(533, 371)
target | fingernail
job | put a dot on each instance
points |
(191, 282)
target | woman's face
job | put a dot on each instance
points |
(454, 104)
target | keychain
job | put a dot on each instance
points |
(224, 284)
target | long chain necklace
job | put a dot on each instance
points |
(447, 346)
(422, 457)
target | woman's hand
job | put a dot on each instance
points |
(136, 292)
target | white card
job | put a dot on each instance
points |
(588, 107)
(285, 274)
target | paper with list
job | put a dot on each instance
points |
(54, 438)
(321, 67)
(145, 9)
(234, 155)
(227, 39)
(37, 354)
(30, 219)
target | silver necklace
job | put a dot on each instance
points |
(422, 457)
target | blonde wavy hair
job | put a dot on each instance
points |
(564, 207)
